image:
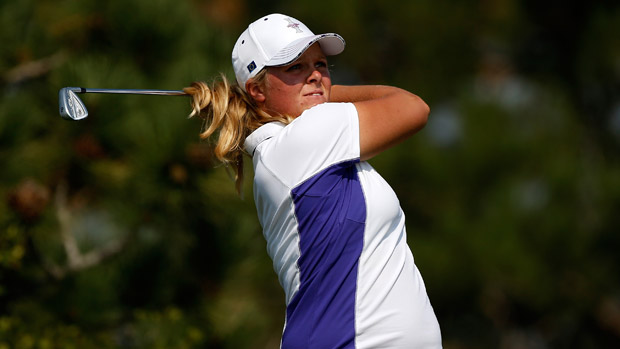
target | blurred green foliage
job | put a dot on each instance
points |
(120, 231)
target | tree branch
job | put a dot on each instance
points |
(33, 69)
(76, 260)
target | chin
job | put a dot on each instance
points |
(315, 103)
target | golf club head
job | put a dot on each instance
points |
(71, 106)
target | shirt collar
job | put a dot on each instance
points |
(262, 134)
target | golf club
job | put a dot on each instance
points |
(72, 108)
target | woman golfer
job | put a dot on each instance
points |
(334, 228)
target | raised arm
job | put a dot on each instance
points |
(387, 115)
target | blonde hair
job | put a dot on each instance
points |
(230, 115)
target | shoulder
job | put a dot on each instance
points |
(324, 125)
(325, 120)
(329, 109)
(322, 136)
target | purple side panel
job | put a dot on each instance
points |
(331, 212)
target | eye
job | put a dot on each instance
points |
(294, 67)
(321, 64)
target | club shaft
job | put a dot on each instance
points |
(130, 91)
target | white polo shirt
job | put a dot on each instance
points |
(336, 234)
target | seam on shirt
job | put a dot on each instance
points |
(359, 264)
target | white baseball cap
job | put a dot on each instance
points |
(276, 40)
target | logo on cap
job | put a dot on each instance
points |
(251, 66)
(293, 25)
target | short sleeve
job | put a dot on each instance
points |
(322, 136)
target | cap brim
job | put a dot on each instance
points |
(331, 44)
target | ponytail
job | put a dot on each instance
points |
(229, 115)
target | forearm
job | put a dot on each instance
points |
(360, 93)
(383, 98)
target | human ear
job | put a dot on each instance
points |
(255, 91)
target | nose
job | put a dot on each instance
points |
(314, 76)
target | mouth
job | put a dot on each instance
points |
(314, 94)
